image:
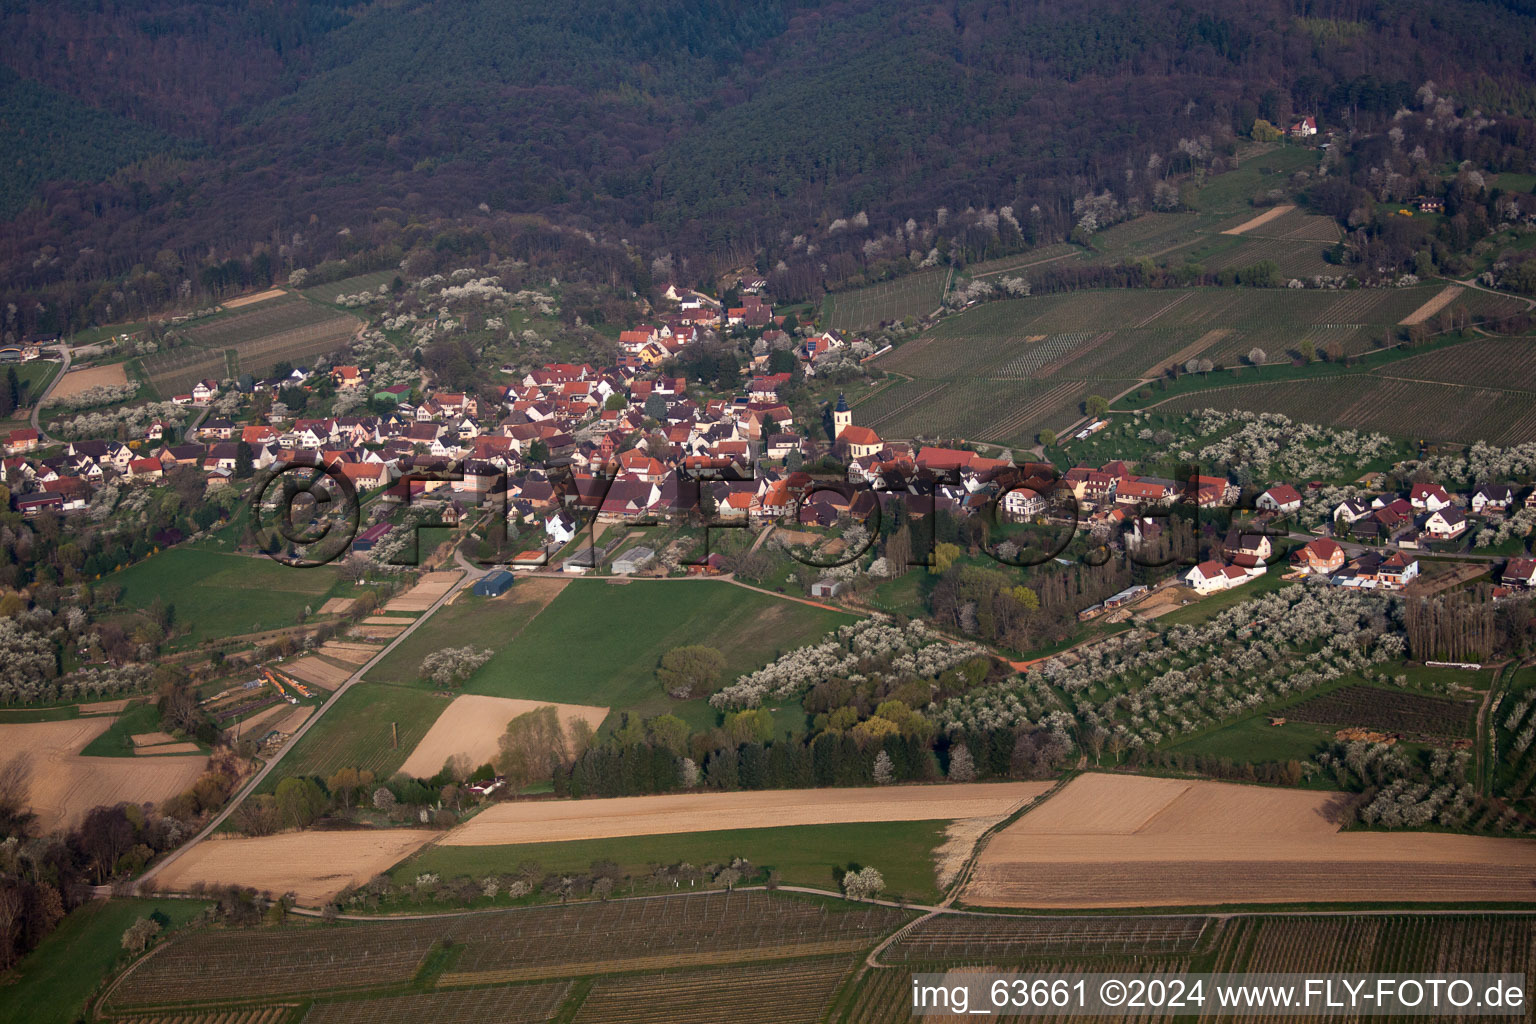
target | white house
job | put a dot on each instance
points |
(1209, 577)
(1021, 503)
(1445, 524)
(1352, 510)
(1428, 497)
(1492, 498)
(1283, 498)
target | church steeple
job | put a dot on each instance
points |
(842, 416)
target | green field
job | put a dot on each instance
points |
(1209, 606)
(864, 309)
(801, 855)
(54, 981)
(598, 643)
(357, 733)
(116, 742)
(1255, 740)
(217, 595)
(480, 621)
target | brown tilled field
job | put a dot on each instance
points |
(76, 381)
(338, 606)
(473, 726)
(64, 785)
(150, 739)
(352, 654)
(1129, 841)
(313, 865)
(313, 670)
(378, 632)
(430, 587)
(559, 820)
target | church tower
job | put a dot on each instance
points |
(842, 416)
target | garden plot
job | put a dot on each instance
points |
(77, 381)
(338, 606)
(63, 785)
(473, 725)
(428, 589)
(1121, 841)
(560, 820)
(313, 865)
(377, 632)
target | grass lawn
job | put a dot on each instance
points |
(598, 643)
(472, 620)
(1214, 604)
(22, 716)
(56, 979)
(115, 742)
(1254, 739)
(802, 854)
(218, 595)
(356, 733)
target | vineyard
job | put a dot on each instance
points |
(1509, 361)
(716, 928)
(1003, 411)
(463, 955)
(256, 1015)
(915, 295)
(1371, 707)
(1021, 262)
(175, 371)
(274, 317)
(795, 993)
(520, 1004)
(1405, 943)
(1514, 728)
(289, 329)
(1376, 402)
(245, 965)
(975, 939)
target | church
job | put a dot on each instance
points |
(852, 442)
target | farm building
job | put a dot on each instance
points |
(826, 588)
(494, 584)
(632, 561)
(371, 536)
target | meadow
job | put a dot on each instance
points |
(51, 985)
(373, 727)
(598, 643)
(217, 596)
(806, 855)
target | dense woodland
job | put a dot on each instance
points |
(819, 140)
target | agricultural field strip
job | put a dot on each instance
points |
(522, 1004)
(781, 994)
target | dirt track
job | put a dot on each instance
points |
(1129, 841)
(473, 725)
(559, 820)
(1246, 226)
(1444, 297)
(313, 865)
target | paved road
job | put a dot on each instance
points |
(37, 406)
(255, 780)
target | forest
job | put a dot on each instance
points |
(253, 139)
